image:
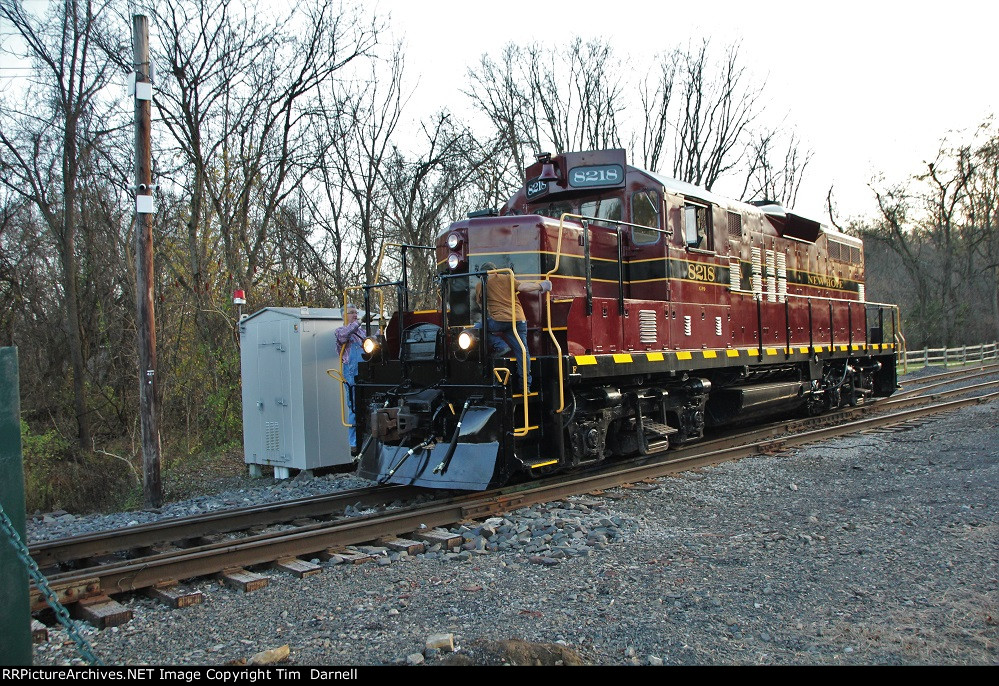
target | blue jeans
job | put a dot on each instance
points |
(503, 335)
(352, 357)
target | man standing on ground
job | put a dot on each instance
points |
(349, 339)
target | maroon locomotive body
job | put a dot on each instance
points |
(670, 309)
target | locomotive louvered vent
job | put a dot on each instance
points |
(781, 277)
(734, 225)
(771, 276)
(757, 273)
(861, 295)
(686, 326)
(648, 331)
(272, 437)
(838, 251)
(735, 274)
(718, 326)
(855, 255)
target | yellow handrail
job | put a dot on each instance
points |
(548, 309)
(525, 367)
(337, 375)
(899, 335)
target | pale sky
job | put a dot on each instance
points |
(870, 86)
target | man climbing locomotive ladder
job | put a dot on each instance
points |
(503, 313)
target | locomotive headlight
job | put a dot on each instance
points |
(371, 347)
(453, 260)
(466, 339)
(453, 241)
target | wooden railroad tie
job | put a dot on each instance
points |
(346, 556)
(446, 539)
(297, 567)
(102, 612)
(173, 595)
(243, 580)
(606, 494)
(641, 487)
(39, 632)
(404, 545)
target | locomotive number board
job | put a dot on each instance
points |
(596, 175)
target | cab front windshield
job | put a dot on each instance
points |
(555, 210)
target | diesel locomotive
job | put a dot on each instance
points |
(670, 309)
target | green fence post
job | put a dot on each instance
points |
(15, 611)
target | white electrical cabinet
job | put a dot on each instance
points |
(291, 406)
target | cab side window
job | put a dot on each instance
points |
(697, 226)
(645, 211)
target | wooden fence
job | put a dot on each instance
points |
(945, 356)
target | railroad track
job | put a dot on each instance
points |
(86, 570)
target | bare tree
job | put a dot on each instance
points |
(359, 127)
(949, 183)
(501, 92)
(242, 101)
(577, 95)
(540, 98)
(716, 112)
(46, 143)
(775, 170)
(656, 97)
(922, 222)
(982, 213)
(699, 115)
(425, 193)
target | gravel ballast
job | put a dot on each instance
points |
(877, 548)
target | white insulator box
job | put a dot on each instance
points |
(291, 407)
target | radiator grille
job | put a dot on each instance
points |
(781, 277)
(771, 276)
(648, 331)
(734, 225)
(757, 277)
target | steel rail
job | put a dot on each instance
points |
(934, 381)
(56, 551)
(65, 550)
(132, 575)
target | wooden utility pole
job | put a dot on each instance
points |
(152, 488)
